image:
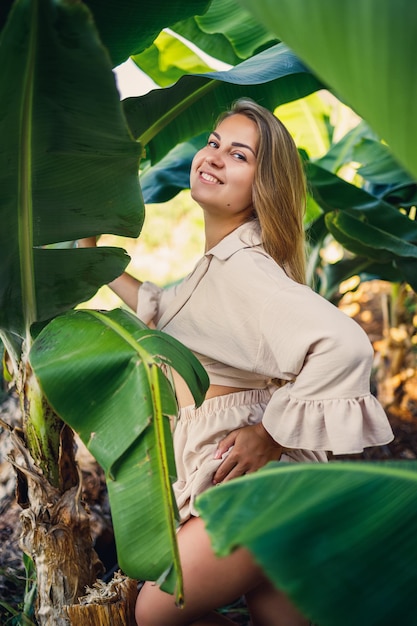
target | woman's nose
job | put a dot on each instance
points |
(215, 160)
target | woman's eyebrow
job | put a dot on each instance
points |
(235, 143)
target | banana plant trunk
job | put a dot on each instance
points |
(111, 604)
(55, 522)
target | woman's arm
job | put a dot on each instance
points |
(328, 406)
(125, 286)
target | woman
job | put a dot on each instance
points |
(289, 372)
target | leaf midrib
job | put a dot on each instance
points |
(25, 182)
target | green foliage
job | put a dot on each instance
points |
(365, 52)
(338, 538)
(69, 169)
(382, 238)
(101, 372)
(18, 613)
(68, 166)
(163, 118)
(227, 32)
(167, 59)
(128, 27)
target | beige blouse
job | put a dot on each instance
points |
(250, 325)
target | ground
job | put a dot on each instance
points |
(390, 320)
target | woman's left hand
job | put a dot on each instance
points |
(253, 447)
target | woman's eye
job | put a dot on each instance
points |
(212, 143)
(239, 156)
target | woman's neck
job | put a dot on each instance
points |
(217, 229)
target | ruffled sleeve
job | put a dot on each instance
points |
(327, 359)
(153, 301)
(339, 425)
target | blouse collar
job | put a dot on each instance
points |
(247, 235)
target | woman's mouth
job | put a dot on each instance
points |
(209, 178)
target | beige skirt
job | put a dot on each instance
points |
(199, 430)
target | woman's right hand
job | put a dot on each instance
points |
(126, 287)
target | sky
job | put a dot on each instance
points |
(131, 81)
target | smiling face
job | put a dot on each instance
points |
(222, 173)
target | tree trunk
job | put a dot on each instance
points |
(111, 604)
(55, 532)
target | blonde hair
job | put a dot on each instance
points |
(279, 189)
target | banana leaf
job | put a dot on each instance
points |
(128, 27)
(333, 193)
(332, 274)
(5, 7)
(245, 35)
(338, 538)
(68, 164)
(167, 59)
(365, 51)
(361, 237)
(374, 162)
(343, 151)
(378, 165)
(216, 45)
(384, 176)
(163, 118)
(101, 373)
(171, 175)
(366, 225)
(307, 119)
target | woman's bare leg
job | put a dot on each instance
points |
(267, 605)
(209, 582)
(214, 619)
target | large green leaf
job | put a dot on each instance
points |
(307, 121)
(378, 164)
(167, 59)
(227, 32)
(332, 274)
(163, 118)
(364, 237)
(333, 193)
(215, 45)
(365, 51)
(384, 176)
(68, 165)
(339, 538)
(128, 27)
(101, 373)
(169, 176)
(365, 224)
(5, 7)
(374, 162)
(245, 34)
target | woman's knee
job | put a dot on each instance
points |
(145, 611)
(142, 614)
(156, 608)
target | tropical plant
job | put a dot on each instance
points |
(69, 164)
(68, 169)
(352, 51)
(339, 538)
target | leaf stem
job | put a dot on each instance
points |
(25, 203)
(173, 112)
(154, 373)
